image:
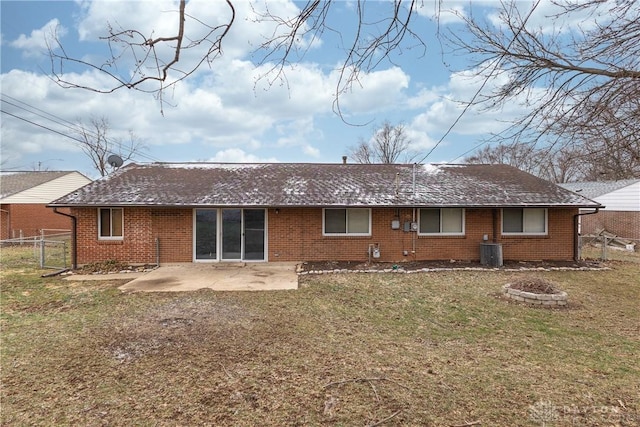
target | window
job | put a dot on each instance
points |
(524, 221)
(447, 221)
(355, 222)
(110, 223)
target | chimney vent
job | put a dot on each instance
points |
(344, 160)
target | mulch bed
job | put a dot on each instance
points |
(535, 285)
(452, 264)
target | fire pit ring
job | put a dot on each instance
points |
(556, 299)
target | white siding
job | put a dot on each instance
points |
(624, 199)
(49, 191)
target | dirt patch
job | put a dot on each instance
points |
(166, 328)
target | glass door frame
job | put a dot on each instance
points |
(219, 234)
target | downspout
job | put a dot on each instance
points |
(576, 240)
(74, 252)
(494, 220)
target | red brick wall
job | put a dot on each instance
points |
(30, 219)
(295, 234)
(136, 246)
(174, 229)
(142, 226)
(621, 223)
(557, 245)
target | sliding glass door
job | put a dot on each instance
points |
(240, 233)
(206, 234)
(231, 234)
(254, 227)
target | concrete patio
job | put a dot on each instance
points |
(216, 276)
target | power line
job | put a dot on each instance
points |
(73, 127)
(42, 126)
(484, 83)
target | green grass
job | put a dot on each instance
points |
(351, 349)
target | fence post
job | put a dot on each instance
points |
(41, 253)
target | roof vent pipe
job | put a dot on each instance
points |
(344, 160)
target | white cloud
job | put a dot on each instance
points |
(224, 113)
(445, 12)
(35, 44)
(311, 151)
(247, 34)
(233, 155)
(374, 91)
(444, 105)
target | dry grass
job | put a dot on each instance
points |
(352, 349)
(594, 252)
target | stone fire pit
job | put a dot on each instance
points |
(535, 291)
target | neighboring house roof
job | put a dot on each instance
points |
(314, 184)
(623, 195)
(38, 187)
(594, 189)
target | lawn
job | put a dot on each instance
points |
(434, 349)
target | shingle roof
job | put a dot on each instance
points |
(593, 189)
(15, 182)
(314, 184)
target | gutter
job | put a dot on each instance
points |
(74, 243)
(576, 239)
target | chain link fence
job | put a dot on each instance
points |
(51, 249)
(605, 247)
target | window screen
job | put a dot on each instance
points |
(429, 220)
(512, 221)
(335, 221)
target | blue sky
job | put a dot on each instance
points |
(223, 113)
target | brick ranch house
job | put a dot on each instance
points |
(24, 196)
(206, 212)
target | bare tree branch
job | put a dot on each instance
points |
(374, 42)
(389, 144)
(582, 87)
(144, 50)
(96, 144)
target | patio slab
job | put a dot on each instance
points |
(219, 277)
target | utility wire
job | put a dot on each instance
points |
(73, 127)
(39, 125)
(484, 83)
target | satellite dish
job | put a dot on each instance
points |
(115, 161)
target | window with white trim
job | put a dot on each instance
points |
(346, 222)
(110, 223)
(524, 221)
(441, 221)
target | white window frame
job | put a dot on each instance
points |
(441, 233)
(346, 233)
(524, 221)
(111, 236)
